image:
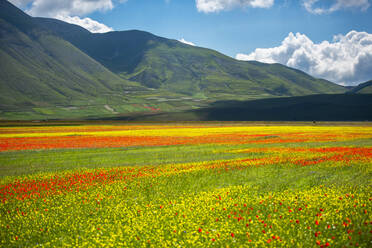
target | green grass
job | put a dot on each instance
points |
(29, 162)
(17, 163)
(164, 203)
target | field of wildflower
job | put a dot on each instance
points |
(186, 185)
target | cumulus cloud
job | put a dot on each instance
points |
(87, 23)
(50, 8)
(70, 11)
(68, 8)
(186, 42)
(208, 6)
(347, 60)
(324, 7)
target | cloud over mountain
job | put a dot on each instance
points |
(209, 6)
(51, 8)
(346, 60)
(87, 23)
(70, 11)
(186, 42)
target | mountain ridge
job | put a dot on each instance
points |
(362, 88)
(53, 69)
(157, 62)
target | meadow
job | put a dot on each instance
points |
(186, 185)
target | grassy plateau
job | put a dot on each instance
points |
(185, 185)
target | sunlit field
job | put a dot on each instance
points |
(186, 185)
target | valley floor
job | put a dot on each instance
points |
(185, 184)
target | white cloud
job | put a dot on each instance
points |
(324, 7)
(70, 11)
(52, 8)
(87, 23)
(209, 6)
(186, 42)
(346, 60)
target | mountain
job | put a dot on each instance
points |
(52, 69)
(38, 68)
(167, 64)
(363, 88)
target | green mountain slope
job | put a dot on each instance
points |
(38, 68)
(167, 64)
(50, 69)
(363, 88)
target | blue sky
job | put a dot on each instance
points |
(296, 33)
(234, 31)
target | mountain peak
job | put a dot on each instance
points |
(15, 16)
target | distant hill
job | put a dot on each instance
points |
(335, 107)
(50, 69)
(363, 88)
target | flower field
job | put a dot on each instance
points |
(186, 185)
